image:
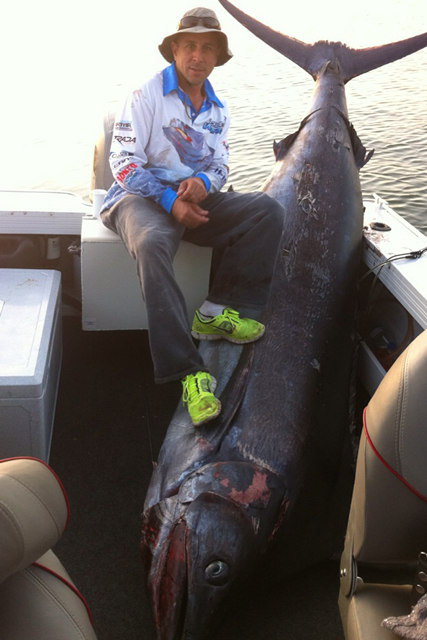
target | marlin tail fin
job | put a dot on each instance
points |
(312, 57)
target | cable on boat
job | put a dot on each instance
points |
(412, 255)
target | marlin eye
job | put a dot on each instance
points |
(217, 572)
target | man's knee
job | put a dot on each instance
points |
(150, 243)
(275, 212)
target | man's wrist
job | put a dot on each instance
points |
(204, 178)
(167, 200)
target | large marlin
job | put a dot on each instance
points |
(269, 481)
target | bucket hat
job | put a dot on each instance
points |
(198, 20)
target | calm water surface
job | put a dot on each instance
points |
(63, 80)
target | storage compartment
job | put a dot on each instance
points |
(30, 360)
(25, 252)
(111, 293)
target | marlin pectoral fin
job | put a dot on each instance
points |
(281, 148)
(361, 156)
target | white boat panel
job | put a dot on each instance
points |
(42, 212)
(406, 278)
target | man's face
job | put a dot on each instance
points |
(195, 56)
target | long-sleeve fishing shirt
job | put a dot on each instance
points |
(159, 140)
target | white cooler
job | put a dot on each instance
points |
(30, 360)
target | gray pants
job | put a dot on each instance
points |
(248, 227)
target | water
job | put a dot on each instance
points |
(67, 68)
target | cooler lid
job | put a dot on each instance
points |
(28, 310)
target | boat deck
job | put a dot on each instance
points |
(109, 425)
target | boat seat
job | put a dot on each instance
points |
(38, 600)
(102, 177)
(388, 515)
(111, 293)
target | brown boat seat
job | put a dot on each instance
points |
(38, 600)
(102, 177)
(387, 526)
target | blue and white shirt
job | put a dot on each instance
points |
(159, 141)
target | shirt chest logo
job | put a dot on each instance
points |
(214, 127)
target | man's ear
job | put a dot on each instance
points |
(174, 47)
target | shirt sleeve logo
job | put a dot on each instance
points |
(123, 126)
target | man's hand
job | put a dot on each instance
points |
(192, 190)
(189, 213)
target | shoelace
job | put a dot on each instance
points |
(192, 389)
(232, 315)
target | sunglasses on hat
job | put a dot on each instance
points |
(193, 21)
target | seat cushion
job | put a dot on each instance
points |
(396, 416)
(33, 512)
(41, 603)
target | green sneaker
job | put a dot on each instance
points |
(228, 326)
(198, 394)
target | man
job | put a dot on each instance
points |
(169, 158)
